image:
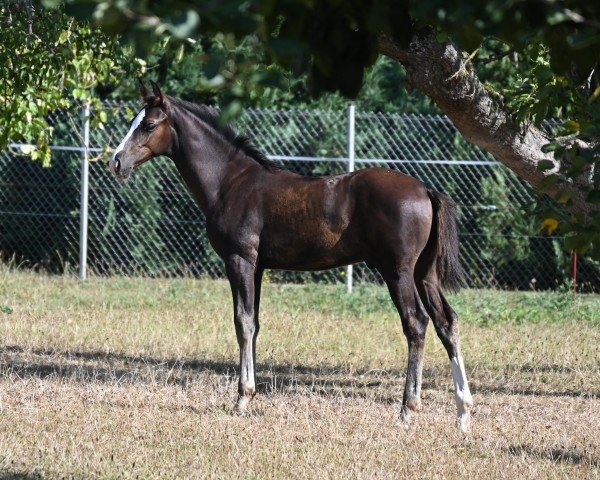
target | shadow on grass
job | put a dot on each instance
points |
(567, 369)
(325, 380)
(526, 378)
(105, 367)
(482, 389)
(7, 475)
(554, 455)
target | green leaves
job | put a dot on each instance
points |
(568, 29)
(58, 67)
(545, 165)
(536, 92)
(552, 73)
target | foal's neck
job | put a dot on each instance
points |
(204, 158)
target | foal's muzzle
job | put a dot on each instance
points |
(119, 167)
(115, 164)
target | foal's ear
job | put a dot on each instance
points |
(157, 93)
(144, 93)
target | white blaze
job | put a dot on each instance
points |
(136, 122)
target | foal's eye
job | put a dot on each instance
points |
(149, 126)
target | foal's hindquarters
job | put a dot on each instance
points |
(415, 248)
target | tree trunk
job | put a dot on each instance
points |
(442, 72)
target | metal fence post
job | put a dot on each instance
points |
(83, 209)
(349, 270)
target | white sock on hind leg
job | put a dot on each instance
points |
(464, 400)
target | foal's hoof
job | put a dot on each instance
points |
(464, 423)
(241, 406)
(405, 418)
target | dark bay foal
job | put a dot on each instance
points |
(259, 216)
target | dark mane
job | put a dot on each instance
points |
(210, 116)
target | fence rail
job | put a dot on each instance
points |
(75, 214)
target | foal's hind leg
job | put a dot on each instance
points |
(403, 291)
(446, 325)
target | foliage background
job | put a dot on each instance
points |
(153, 227)
(61, 62)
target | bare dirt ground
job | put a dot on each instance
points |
(124, 378)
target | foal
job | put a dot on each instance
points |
(260, 216)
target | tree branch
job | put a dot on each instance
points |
(497, 56)
(442, 72)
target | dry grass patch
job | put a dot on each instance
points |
(136, 378)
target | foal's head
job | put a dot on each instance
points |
(151, 134)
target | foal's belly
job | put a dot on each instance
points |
(309, 231)
(313, 254)
(293, 252)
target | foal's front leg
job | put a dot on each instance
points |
(241, 274)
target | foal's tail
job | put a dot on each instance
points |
(447, 261)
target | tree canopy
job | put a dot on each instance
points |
(497, 69)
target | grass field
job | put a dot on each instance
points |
(123, 378)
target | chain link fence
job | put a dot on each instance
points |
(152, 226)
